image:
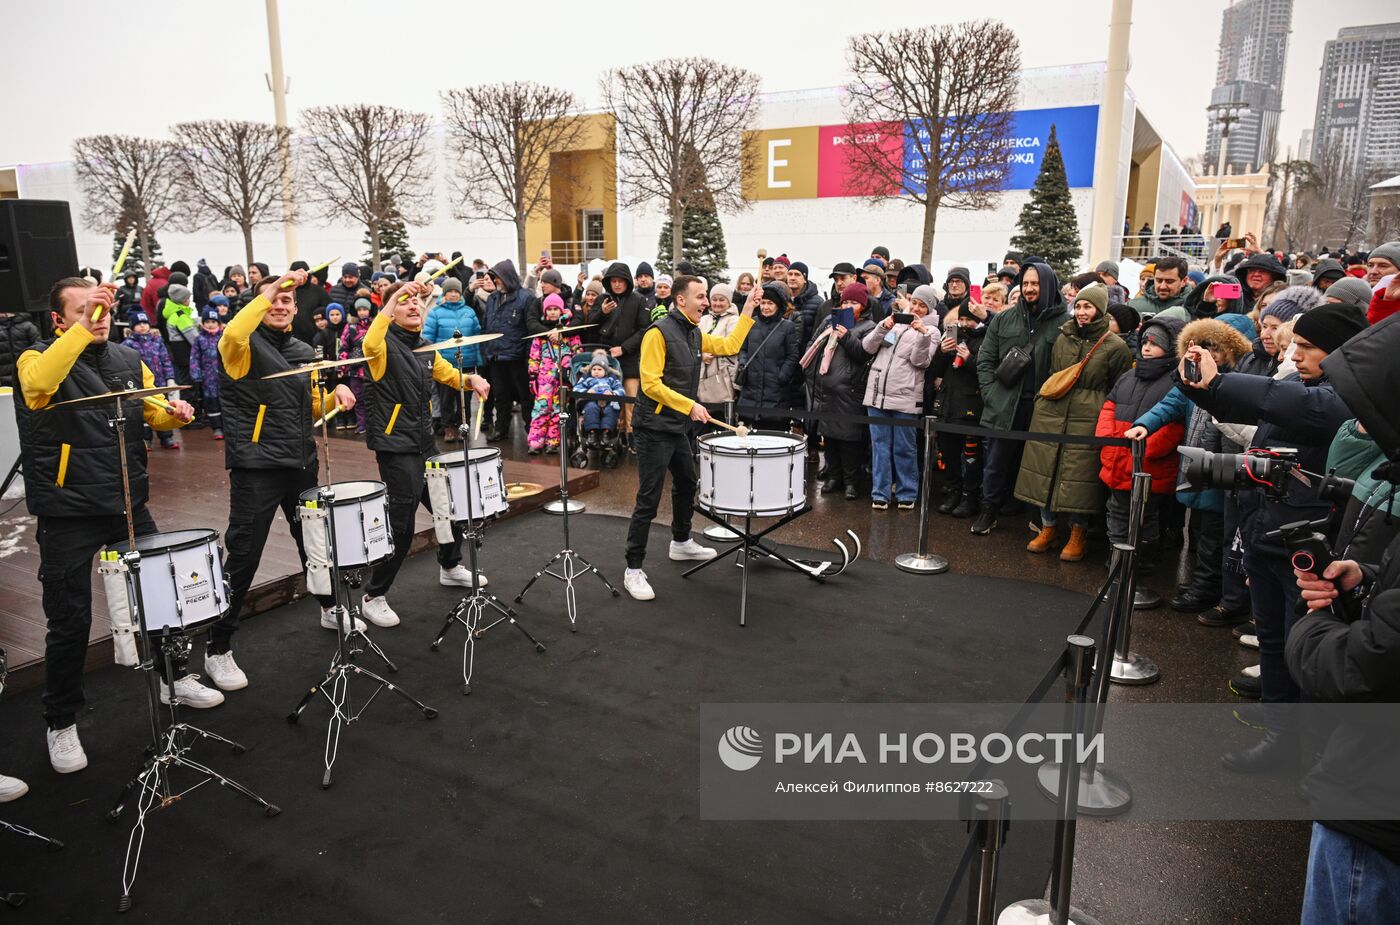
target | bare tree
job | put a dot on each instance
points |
(360, 162)
(949, 90)
(678, 125)
(232, 173)
(125, 178)
(504, 135)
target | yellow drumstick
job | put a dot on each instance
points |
(404, 297)
(160, 403)
(312, 272)
(480, 410)
(329, 414)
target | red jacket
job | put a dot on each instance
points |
(149, 296)
(1381, 307)
(1160, 458)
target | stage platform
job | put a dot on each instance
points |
(189, 488)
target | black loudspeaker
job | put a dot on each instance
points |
(36, 250)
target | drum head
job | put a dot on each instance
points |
(759, 442)
(346, 492)
(168, 542)
(479, 454)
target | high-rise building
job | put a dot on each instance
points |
(1253, 51)
(1358, 99)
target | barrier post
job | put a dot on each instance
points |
(922, 562)
(989, 824)
(1129, 668)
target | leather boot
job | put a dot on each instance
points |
(950, 501)
(968, 505)
(1043, 540)
(1074, 549)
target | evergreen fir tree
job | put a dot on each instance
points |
(702, 243)
(1048, 225)
(393, 239)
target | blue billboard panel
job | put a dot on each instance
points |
(1076, 127)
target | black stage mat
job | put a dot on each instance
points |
(565, 786)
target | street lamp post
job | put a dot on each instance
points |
(279, 108)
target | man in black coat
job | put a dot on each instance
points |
(311, 298)
(17, 334)
(343, 291)
(626, 316)
(507, 357)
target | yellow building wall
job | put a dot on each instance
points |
(583, 177)
(1142, 201)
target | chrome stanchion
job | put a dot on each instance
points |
(989, 824)
(1057, 910)
(720, 531)
(1128, 667)
(923, 562)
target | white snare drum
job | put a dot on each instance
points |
(181, 579)
(360, 514)
(761, 475)
(488, 479)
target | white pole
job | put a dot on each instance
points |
(1105, 221)
(279, 107)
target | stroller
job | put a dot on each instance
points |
(598, 449)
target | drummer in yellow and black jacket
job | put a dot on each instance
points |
(73, 485)
(399, 428)
(269, 448)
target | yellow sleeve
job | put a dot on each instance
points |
(653, 361)
(318, 391)
(233, 346)
(40, 374)
(445, 372)
(156, 416)
(727, 346)
(373, 346)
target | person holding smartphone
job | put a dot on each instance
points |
(902, 345)
(625, 317)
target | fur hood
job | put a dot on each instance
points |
(1223, 335)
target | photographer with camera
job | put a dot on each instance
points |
(1347, 649)
(1297, 418)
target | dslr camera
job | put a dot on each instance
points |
(1267, 470)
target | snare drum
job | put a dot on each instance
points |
(761, 475)
(181, 579)
(360, 514)
(488, 477)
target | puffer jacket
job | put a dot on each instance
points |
(506, 311)
(1148, 304)
(1065, 477)
(150, 296)
(717, 376)
(153, 354)
(624, 325)
(1259, 362)
(896, 380)
(841, 388)
(959, 394)
(1371, 518)
(1135, 393)
(444, 321)
(17, 334)
(804, 308)
(204, 362)
(769, 364)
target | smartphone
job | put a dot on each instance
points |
(903, 317)
(903, 288)
(1234, 243)
(1226, 290)
(1193, 371)
(976, 291)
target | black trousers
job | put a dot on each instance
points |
(844, 460)
(255, 497)
(66, 548)
(510, 382)
(1208, 544)
(403, 475)
(657, 453)
(1002, 460)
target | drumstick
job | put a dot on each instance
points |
(404, 297)
(328, 415)
(311, 272)
(160, 403)
(117, 267)
(742, 430)
(476, 425)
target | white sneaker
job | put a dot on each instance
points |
(1249, 641)
(190, 693)
(378, 611)
(1251, 672)
(460, 576)
(328, 621)
(224, 672)
(690, 549)
(635, 581)
(65, 751)
(12, 788)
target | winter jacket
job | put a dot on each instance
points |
(1259, 362)
(154, 355)
(1381, 308)
(1135, 393)
(769, 368)
(960, 394)
(446, 320)
(17, 334)
(204, 362)
(1371, 518)
(1267, 262)
(204, 284)
(150, 296)
(1148, 304)
(1017, 326)
(1065, 477)
(717, 376)
(352, 347)
(345, 295)
(842, 388)
(1195, 305)
(804, 310)
(896, 379)
(180, 321)
(506, 311)
(326, 343)
(624, 325)
(602, 385)
(312, 298)
(128, 295)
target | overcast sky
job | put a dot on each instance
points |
(75, 68)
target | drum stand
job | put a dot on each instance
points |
(751, 546)
(471, 609)
(15, 898)
(350, 642)
(169, 747)
(574, 565)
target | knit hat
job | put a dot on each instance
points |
(364, 303)
(554, 300)
(219, 299)
(381, 275)
(664, 278)
(179, 266)
(451, 284)
(1107, 266)
(1160, 333)
(177, 278)
(1196, 277)
(1299, 278)
(1127, 317)
(776, 294)
(1293, 301)
(783, 259)
(929, 295)
(553, 277)
(594, 287)
(299, 265)
(856, 292)
(335, 306)
(178, 294)
(209, 314)
(1096, 295)
(1350, 291)
(1014, 257)
(800, 267)
(350, 268)
(644, 269)
(1390, 250)
(1329, 326)
(881, 250)
(723, 289)
(139, 318)
(873, 266)
(236, 270)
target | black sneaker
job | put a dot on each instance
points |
(905, 505)
(950, 501)
(967, 507)
(1191, 603)
(1242, 685)
(1244, 629)
(851, 493)
(1219, 616)
(986, 521)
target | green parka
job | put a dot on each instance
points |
(1014, 327)
(1065, 477)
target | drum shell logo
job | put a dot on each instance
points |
(196, 590)
(740, 748)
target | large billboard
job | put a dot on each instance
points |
(813, 162)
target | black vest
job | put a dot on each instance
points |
(681, 374)
(267, 422)
(71, 465)
(398, 408)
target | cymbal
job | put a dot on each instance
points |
(315, 367)
(516, 490)
(576, 327)
(124, 394)
(453, 342)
